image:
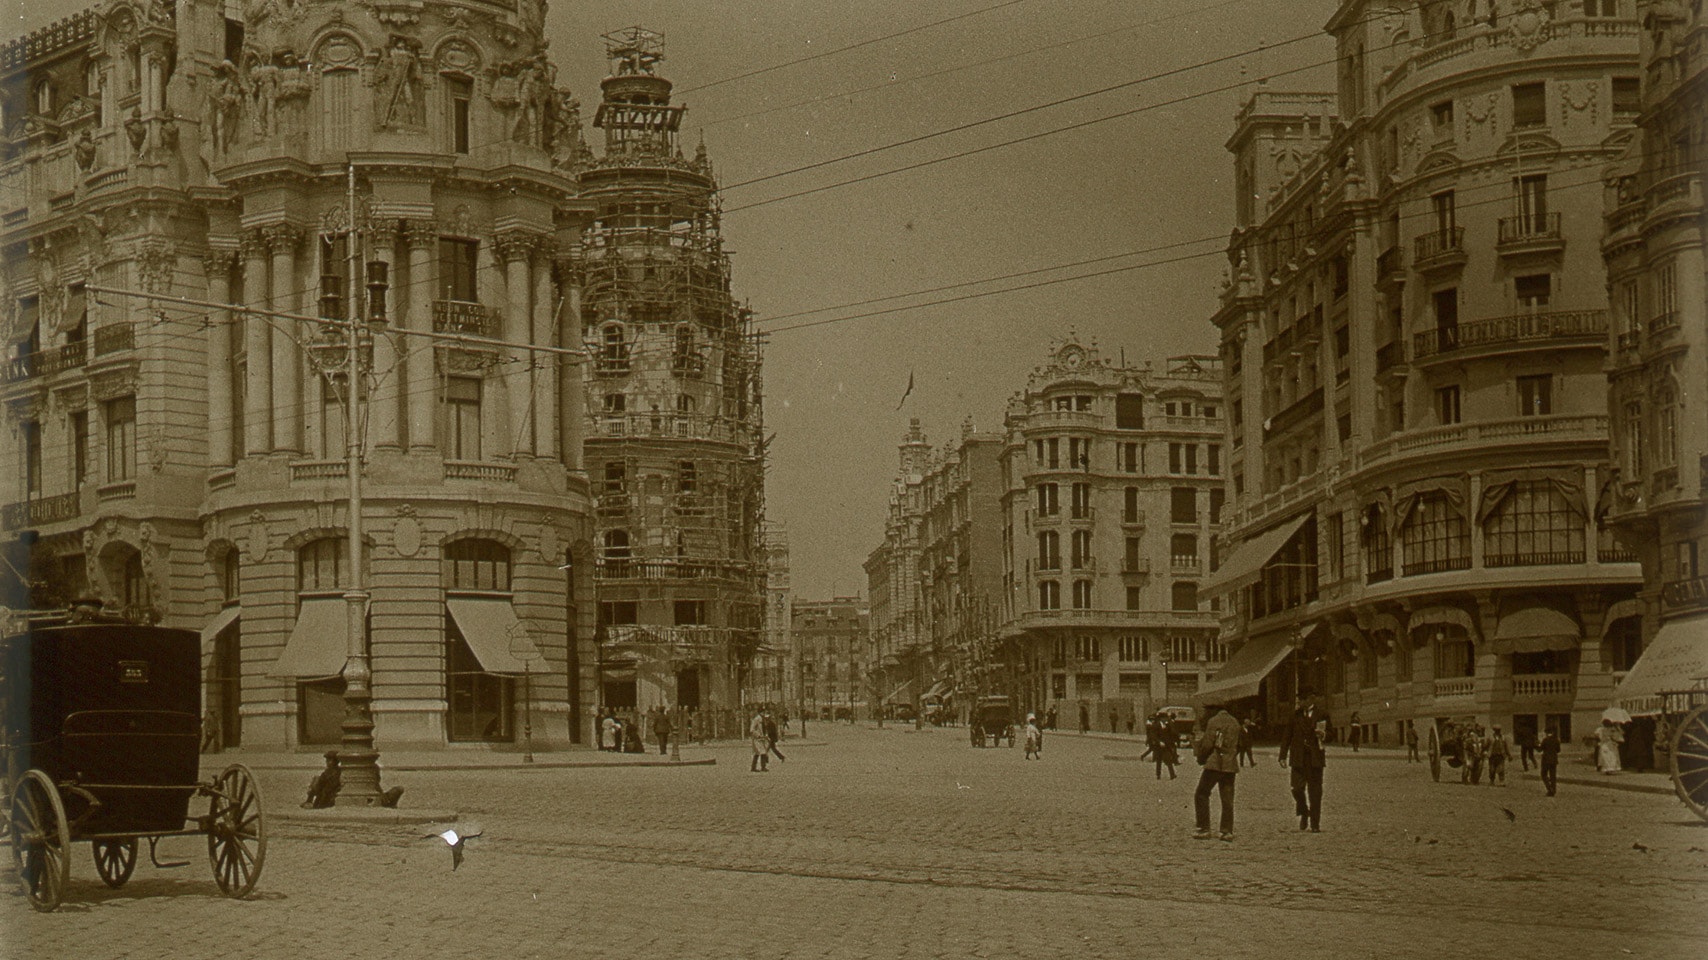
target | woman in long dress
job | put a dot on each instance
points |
(1608, 738)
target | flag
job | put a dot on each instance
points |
(909, 389)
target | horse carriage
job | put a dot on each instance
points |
(1686, 713)
(992, 721)
(100, 736)
(1444, 744)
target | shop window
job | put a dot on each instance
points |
(480, 704)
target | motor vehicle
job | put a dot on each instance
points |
(1182, 720)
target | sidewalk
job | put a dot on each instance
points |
(455, 758)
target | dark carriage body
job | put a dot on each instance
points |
(111, 710)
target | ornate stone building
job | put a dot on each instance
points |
(900, 655)
(1414, 334)
(674, 418)
(188, 462)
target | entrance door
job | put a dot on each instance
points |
(688, 688)
(227, 684)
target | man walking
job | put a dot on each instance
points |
(1411, 742)
(661, 729)
(1526, 749)
(1302, 750)
(1549, 751)
(1084, 719)
(772, 734)
(761, 744)
(1247, 734)
(1498, 754)
(1217, 750)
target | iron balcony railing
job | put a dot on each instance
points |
(114, 338)
(30, 513)
(1440, 244)
(1519, 328)
(1532, 226)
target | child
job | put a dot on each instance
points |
(1034, 738)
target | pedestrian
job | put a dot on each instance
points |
(1050, 718)
(1549, 750)
(210, 731)
(1498, 752)
(1034, 738)
(1114, 720)
(1130, 717)
(1084, 719)
(1472, 753)
(1167, 745)
(1217, 751)
(1411, 742)
(1247, 735)
(661, 728)
(1302, 751)
(1527, 750)
(761, 745)
(1356, 731)
(323, 789)
(1608, 737)
(608, 736)
(772, 734)
(619, 730)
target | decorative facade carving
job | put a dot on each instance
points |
(396, 79)
(155, 260)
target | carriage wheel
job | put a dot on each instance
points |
(1690, 761)
(114, 860)
(1435, 753)
(41, 841)
(237, 831)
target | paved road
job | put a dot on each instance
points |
(894, 843)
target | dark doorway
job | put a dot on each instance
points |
(320, 711)
(226, 684)
(688, 688)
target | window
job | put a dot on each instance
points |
(1218, 497)
(1666, 294)
(1133, 649)
(1215, 459)
(1368, 667)
(1081, 553)
(120, 415)
(1049, 550)
(1192, 458)
(458, 270)
(1079, 453)
(1378, 547)
(476, 565)
(1129, 411)
(614, 348)
(1532, 522)
(1174, 459)
(690, 612)
(320, 565)
(1624, 642)
(1049, 595)
(1334, 528)
(1666, 428)
(1081, 495)
(616, 476)
(1183, 505)
(1627, 96)
(1434, 536)
(1184, 596)
(1532, 290)
(1082, 600)
(1532, 193)
(1442, 116)
(1135, 598)
(1630, 307)
(1182, 649)
(1054, 445)
(1535, 395)
(1454, 656)
(1130, 506)
(1130, 457)
(459, 92)
(1447, 404)
(687, 477)
(1183, 549)
(1130, 556)
(1441, 204)
(32, 437)
(462, 418)
(79, 448)
(480, 704)
(1686, 563)
(615, 554)
(1048, 505)
(615, 403)
(1446, 303)
(617, 613)
(1601, 8)
(1529, 104)
(1634, 439)
(338, 108)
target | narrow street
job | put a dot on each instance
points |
(897, 843)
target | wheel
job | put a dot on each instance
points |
(1690, 761)
(1435, 753)
(237, 831)
(41, 841)
(114, 860)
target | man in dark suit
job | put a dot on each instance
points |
(1302, 750)
(1549, 749)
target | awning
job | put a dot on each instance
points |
(221, 620)
(1245, 564)
(1676, 659)
(1240, 676)
(318, 645)
(937, 691)
(499, 641)
(1533, 626)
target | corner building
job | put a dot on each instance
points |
(1414, 334)
(674, 419)
(188, 463)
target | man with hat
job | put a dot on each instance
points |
(323, 789)
(1217, 750)
(1302, 749)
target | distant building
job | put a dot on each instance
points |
(960, 570)
(773, 678)
(1657, 497)
(901, 661)
(830, 643)
(1414, 335)
(1112, 492)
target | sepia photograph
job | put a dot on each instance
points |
(874, 479)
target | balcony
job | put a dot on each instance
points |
(1439, 565)
(1390, 355)
(686, 426)
(1390, 265)
(691, 365)
(1063, 420)
(1437, 440)
(46, 363)
(669, 568)
(1586, 326)
(1556, 558)
(1681, 594)
(1630, 341)
(1441, 250)
(114, 338)
(1534, 233)
(1298, 412)
(1539, 685)
(465, 317)
(319, 469)
(1663, 323)
(481, 470)
(1136, 566)
(1185, 564)
(34, 513)
(1455, 687)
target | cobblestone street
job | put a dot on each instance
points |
(896, 843)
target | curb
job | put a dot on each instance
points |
(417, 766)
(362, 816)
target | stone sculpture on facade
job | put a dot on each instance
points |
(225, 109)
(397, 77)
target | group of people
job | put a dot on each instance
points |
(618, 735)
(1223, 747)
(1490, 751)
(764, 732)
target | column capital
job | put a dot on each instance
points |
(420, 234)
(283, 238)
(218, 261)
(252, 245)
(513, 245)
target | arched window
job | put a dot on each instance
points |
(44, 98)
(1049, 550)
(1454, 654)
(1082, 594)
(1049, 595)
(476, 565)
(228, 569)
(338, 108)
(133, 586)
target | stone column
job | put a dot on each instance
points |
(257, 349)
(515, 250)
(572, 426)
(419, 383)
(216, 266)
(545, 366)
(284, 240)
(383, 409)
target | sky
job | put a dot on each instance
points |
(1157, 177)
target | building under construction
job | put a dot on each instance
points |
(674, 440)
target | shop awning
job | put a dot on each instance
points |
(319, 643)
(1245, 564)
(1533, 626)
(1677, 659)
(499, 641)
(221, 620)
(938, 691)
(1245, 670)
